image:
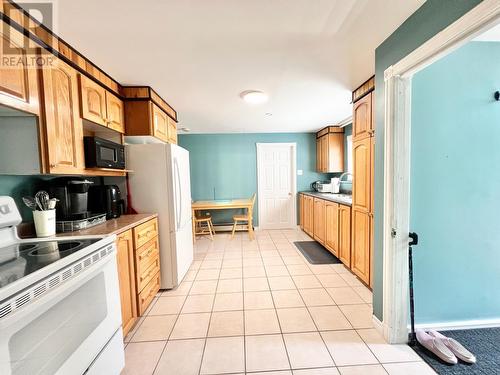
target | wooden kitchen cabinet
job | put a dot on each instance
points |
(345, 235)
(363, 124)
(309, 215)
(301, 211)
(115, 113)
(172, 131)
(93, 101)
(330, 150)
(319, 220)
(361, 186)
(361, 244)
(126, 278)
(332, 227)
(63, 126)
(18, 75)
(101, 106)
(145, 118)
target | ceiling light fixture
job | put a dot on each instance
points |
(254, 96)
(185, 130)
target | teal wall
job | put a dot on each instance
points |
(224, 166)
(432, 17)
(20, 186)
(455, 185)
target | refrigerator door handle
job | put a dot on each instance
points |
(178, 202)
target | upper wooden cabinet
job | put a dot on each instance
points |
(101, 106)
(362, 117)
(361, 187)
(115, 112)
(18, 77)
(145, 118)
(319, 220)
(63, 126)
(330, 150)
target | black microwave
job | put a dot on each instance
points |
(101, 153)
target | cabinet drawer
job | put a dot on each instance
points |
(148, 293)
(146, 255)
(145, 232)
(143, 278)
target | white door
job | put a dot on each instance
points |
(276, 185)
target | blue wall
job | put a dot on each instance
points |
(455, 185)
(432, 17)
(224, 166)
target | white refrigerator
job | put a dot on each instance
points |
(159, 182)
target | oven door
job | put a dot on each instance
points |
(64, 330)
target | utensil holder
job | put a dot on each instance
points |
(45, 223)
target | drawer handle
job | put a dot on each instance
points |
(142, 256)
(145, 234)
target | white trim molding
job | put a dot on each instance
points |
(462, 324)
(397, 153)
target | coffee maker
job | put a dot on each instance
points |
(73, 198)
(106, 199)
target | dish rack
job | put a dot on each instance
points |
(74, 225)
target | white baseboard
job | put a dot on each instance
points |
(378, 325)
(460, 324)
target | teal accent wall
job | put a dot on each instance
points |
(455, 185)
(20, 186)
(432, 17)
(224, 166)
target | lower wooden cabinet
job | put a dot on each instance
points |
(301, 210)
(319, 220)
(329, 223)
(361, 237)
(332, 210)
(138, 270)
(345, 235)
(126, 279)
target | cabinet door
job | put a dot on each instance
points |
(319, 220)
(332, 227)
(160, 123)
(172, 131)
(345, 235)
(93, 101)
(301, 213)
(63, 126)
(361, 187)
(114, 110)
(308, 212)
(362, 118)
(334, 153)
(126, 279)
(18, 79)
(319, 155)
(360, 262)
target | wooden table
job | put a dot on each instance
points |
(225, 204)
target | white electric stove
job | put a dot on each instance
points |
(59, 303)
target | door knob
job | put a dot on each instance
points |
(290, 194)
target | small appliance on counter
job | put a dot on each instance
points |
(101, 153)
(335, 183)
(107, 199)
(72, 209)
(321, 187)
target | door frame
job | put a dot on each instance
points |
(293, 167)
(397, 153)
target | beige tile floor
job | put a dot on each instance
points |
(258, 307)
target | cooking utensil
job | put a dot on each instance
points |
(30, 202)
(52, 203)
(42, 199)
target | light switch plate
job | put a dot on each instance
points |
(299, 172)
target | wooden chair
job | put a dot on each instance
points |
(245, 220)
(203, 224)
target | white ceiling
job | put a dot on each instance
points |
(491, 35)
(199, 55)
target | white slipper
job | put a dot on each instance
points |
(458, 349)
(436, 346)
